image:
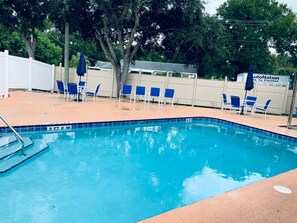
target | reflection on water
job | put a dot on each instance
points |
(210, 183)
(137, 171)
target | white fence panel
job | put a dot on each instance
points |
(24, 73)
(19, 72)
(3, 74)
(42, 76)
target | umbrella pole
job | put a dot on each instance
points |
(78, 86)
(242, 108)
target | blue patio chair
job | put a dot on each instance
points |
(262, 108)
(154, 94)
(72, 91)
(140, 93)
(250, 102)
(61, 88)
(93, 94)
(169, 95)
(225, 103)
(235, 104)
(125, 91)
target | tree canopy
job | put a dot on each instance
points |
(254, 27)
(243, 32)
(121, 27)
(25, 17)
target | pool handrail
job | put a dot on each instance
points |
(20, 139)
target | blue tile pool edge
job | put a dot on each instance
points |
(68, 125)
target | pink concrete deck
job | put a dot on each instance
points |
(258, 202)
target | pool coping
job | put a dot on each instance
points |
(253, 203)
(64, 126)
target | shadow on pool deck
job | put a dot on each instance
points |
(258, 202)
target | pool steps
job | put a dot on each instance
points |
(7, 140)
(14, 148)
(12, 154)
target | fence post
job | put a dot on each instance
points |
(30, 73)
(139, 78)
(225, 84)
(61, 72)
(6, 73)
(166, 80)
(194, 90)
(53, 77)
(285, 98)
(256, 89)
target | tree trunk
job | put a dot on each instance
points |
(118, 79)
(66, 46)
(125, 69)
(30, 45)
(66, 53)
(289, 125)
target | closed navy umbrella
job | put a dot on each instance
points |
(249, 84)
(81, 66)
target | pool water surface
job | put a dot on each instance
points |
(131, 172)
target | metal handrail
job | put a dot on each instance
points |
(20, 139)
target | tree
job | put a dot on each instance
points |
(284, 34)
(202, 44)
(12, 42)
(250, 26)
(121, 27)
(46, 50)
(67, 16)
(25, 17)
(74, 60)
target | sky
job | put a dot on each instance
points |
(212, 5)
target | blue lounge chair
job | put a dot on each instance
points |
(263, 108)
(235, 104)
(154, 94)
(95, 93)
(169, 95)
(72, 91)
(125, 91)
(225, 103)
(140, 93)
(61, 88)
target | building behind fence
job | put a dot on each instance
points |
(22, 73)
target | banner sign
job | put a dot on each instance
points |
(265, 79)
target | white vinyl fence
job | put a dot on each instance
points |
(24, 73)
(193, 92)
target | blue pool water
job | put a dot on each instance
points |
(129, 173)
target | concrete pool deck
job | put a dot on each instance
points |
(258, 202)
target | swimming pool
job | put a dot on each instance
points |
(130, 171)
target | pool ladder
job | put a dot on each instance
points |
(20, 139)
(15, 150)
